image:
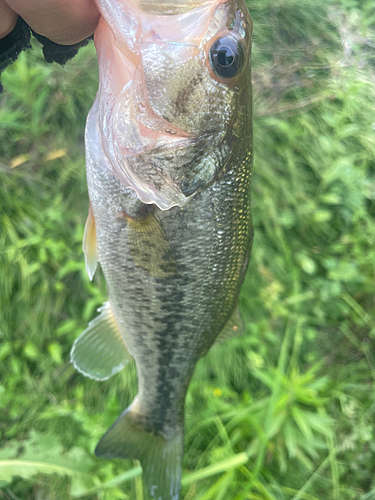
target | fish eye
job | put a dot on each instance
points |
(226, 57)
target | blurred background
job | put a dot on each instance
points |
(285, 412)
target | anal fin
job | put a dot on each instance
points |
(89, 245)
(100, 352)
(234, 327)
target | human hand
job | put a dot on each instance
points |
(63, 21)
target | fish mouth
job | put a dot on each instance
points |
(138, 128)
(169, 7)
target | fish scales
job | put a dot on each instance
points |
(170, 322)
(169, 155)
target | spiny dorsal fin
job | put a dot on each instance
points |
(234, 327)
(89, 245)
(149, 246)
(100, 352)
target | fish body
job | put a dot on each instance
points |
(169, 155)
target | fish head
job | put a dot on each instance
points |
(174, 101)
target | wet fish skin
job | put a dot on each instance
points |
(174, 255)
(169, 322)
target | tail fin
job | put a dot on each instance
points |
(160, 457)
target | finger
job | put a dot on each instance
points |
(63, 21)
(8, 19)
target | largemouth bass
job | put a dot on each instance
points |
(169, 155)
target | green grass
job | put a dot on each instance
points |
(287, 411)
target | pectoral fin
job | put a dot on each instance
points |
(233, 328)
(89, 245)
(100, 352)
(149, 246)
